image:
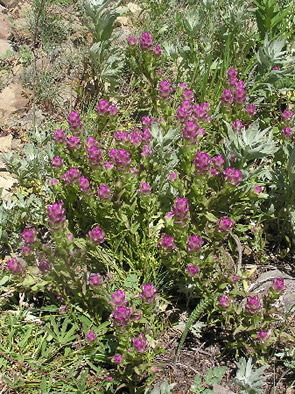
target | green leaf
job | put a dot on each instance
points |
(214, 375)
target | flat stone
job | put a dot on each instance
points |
(5, 46)
(16, 144)
(5, 144)
(11, 100)
(123, 21)
(134, 8)
(2, 165)
(217, 389)
(6, 183)
(9, 3)
(5, 26)
(264, 282)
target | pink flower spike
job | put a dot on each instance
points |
(57, 162)
(59, 136)
(118, 298)
(84, 185)
(148, 293)
(146, 41)
(287, 115)
(97, 235)
(180, 211)
(194, 242)
(250, 109)
(287, 132)
(29, 235)
(145, 188)
(140, 343)
(231, 72)
(74, 121)
(95, 280)
(237, 125)
(56, 215)
(167, 242)
(165, 89)
(132, 41)
(225, 224)
(257, 189)
(192, 270)
(157, 50)
(117, 358)
(263, 336)
(73, 142)
(232, 176)
(173, 176)
(224, 301)
(227, 98)
(14, 266)
(253, 304)
(91, 336)
(26, 251)
(104, 192)
(202, 162)
(278, 284)
(44, 266)
(121, 316)
(218, 161)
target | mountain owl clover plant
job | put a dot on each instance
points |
(159, 195)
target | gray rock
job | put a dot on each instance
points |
(217, 389)
(5, 25)
(5, 144)
(4, 47)
(11, 101)
(264, 282)
(6, 183)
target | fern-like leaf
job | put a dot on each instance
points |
(193, 317)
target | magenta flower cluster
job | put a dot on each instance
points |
(97, 235)
(148, 293)
(95, 280)
(165, 89)
(73, 142)
(167, 242)
(205, 164)
(72, 175)
(232, 176)
(180, 211)
(225, 224)
(29, 236)
(13, 265)
(253, 304)
(140, 343)
(91, 336)
(197, 113)
(105, 108)
(194, 243)
(121, 158)
(104, 192)
(135, 137)
(224, 302)
(59, 136)
(278, 284)
(146, 43)
(74, 121)
(56, 215)
(236, 94)
(192, 270)
(192, 130)
(93, 151)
